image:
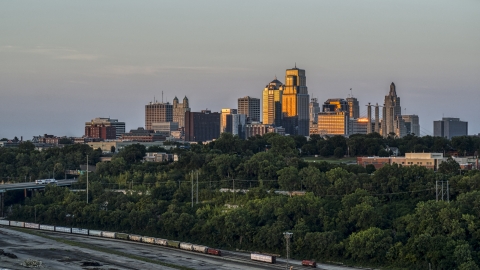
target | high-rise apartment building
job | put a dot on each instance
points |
(353, 107)
(104, 128)
(179, 110)
(412, 124)
(450, 127)
(156, 112)
(272, 103)
(392, 121)
(202, 126)
(250, 107)
(295, 102)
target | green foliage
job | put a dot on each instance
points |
(380, 218)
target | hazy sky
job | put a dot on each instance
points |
(63, 63)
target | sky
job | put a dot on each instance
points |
(63, 63)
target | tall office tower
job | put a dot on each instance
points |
(295, 102)
(104, 128)
(235, 124)
(202, 126)
(392, 114)
(250, 107)
(353, 107)
(156, 112)
(272, 103)
(412, 124)
(369, 118)
(335, 105)
(313, 110)
(223, 119)
(179, 110)
(450, 127)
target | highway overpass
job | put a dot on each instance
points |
(28, 185)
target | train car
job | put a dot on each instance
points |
(5, 222)
(80, 231)
(123, 236)
(309, 263)
(213, 251)
(160, 241)
(47, 228)
(95, 233)
(263, 258)
(136, 238)
(63, 229)
(17, 224)
(186, 246)
(148, 239)
(108, 234)
(199, 248)
(32, 225)
(172, 243)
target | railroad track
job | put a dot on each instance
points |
(226, 255)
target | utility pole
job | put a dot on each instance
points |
(197, 186)
(288, 235)
(192, 186)
(87, 179)
(442, 191)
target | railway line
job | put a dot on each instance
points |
(202, 254)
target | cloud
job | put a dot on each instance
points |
(124, 70)
(53, 52)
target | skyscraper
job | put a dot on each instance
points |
(353, 107)
(202, 126)
(392, 121)
(450, 127)
(272, 103)
(313, 110)
(223, 119)
(295, 102)
(412, 124)
(250, 107)
(179, 110)
(156, 112)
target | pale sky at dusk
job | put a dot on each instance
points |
(63, 63)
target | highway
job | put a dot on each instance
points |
(33, 185)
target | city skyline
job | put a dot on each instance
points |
(57, 68)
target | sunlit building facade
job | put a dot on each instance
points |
(272, 103)
(333, 123)
(295, 102)
(179, 110)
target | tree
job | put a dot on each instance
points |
(449, 167)
(112, 149)
(338, 153)
(288, 178)
(370, 245)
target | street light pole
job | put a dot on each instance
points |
(288, 235)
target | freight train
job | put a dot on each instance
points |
(115, 235)
(142, 239)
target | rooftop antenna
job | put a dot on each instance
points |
(153, 98)
(351, 93)
(295, 64)
(162, 96)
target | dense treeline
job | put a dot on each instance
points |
(387, 218)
